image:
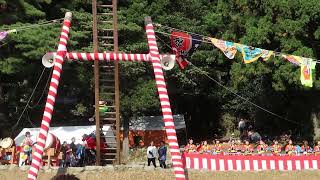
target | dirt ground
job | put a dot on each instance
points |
(167, 175)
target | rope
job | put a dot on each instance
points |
(33, 91)
(43, 91)
(28, 118)
(20, 28)
(228, 89)
(243, 98)
(207, 39)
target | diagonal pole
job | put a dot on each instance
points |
(178, 165)
(47, 115)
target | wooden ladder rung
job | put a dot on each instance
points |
(107, 87)
(109, 154)
(104, 21)
(108, 119)
(101, 14)
(105, 5)
(109, 148)
(110, 142)
(109, 136)
(107, 80)
(107, 93)
(107, 67)
(105, 29)
(106, 44)
(108, 159)
(105, 37)
(110, 113)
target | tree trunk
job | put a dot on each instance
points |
(315, 120)
(125, 143)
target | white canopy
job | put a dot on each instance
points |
(65, 133)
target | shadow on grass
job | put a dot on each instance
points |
(61, 175)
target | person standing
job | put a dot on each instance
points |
(73, 146)
(152, 154)
(25, 154)
(162, 155)
(242, 125)
(65, 149)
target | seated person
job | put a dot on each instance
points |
(190, 147)
(217, 149)
(262, 147)
(276, 148)
(305, 148)
(233, 147)
(247, 148)
(290, 148)
(317, 148)
(205, 147)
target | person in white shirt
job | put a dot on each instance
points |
(152, 154)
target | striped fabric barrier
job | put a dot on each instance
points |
(107, 56)
(47, 115)
(250, 163)
(177, 162)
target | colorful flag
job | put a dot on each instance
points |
(266, 54)
(3, 35)
(307, 65)
(251, 54)
(228, 48)
(296, 60)
(183, 46)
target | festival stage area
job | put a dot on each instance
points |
(146, 173)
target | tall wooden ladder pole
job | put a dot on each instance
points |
(116, 78)
(96, 82)
(105, 32)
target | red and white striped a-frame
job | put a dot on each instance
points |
(153, 56)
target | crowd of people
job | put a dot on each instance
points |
(251, 142)
(161, 153)
(236, 146)
(71, 154)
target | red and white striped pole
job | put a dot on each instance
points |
(82, 56)
(47, 115)
(178, 165)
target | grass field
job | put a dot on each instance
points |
(168, 175)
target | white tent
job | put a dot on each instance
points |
(65, 133)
